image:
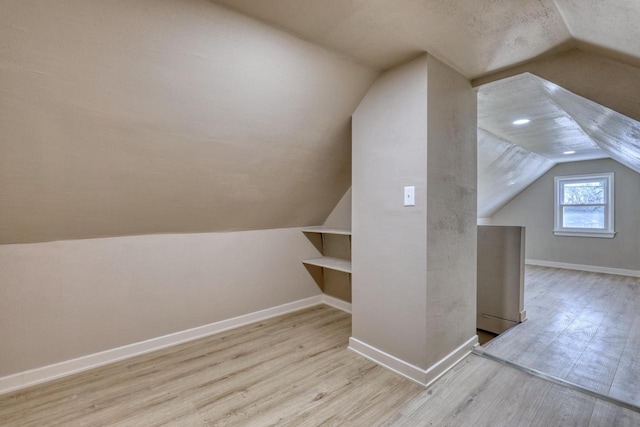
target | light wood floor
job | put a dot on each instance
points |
(295, 370)
(582, 327)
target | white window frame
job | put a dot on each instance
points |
(609, 212)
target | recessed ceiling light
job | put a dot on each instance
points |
(521, 121)
(569, 152)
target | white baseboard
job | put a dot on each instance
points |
(581, 267)
(523, 316)
(69, 367)
(336, 303)
(409, 371)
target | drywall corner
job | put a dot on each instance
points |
(340, 217)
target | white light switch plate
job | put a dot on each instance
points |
(410, 196)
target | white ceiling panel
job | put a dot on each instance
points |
(617, 135)
(511, 157)
(504, 170)
(551, 131)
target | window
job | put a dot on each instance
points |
(584, 205)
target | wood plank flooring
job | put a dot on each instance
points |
(582, 327)
(295, 370)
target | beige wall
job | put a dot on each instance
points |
(337, 283)
(533, 208)
(414, 268)
(340, 217)
(500, 277)
(451, 210)
(155, 116)
(62, 300)
(389, 249)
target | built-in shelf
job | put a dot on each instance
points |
(332, 270)
(329, 262)
(327, 230)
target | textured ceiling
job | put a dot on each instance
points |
(481, 38)
(510, 157)
(605, 81)
(504, 170)
(474, 37)
(605, 26)
(552, 130)
(159, 116)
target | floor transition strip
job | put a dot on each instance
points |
(479, 351)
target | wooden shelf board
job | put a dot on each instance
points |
(327, 230)
(332, 263)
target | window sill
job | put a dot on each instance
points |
(600, 234)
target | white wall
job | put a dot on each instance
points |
(63, 300)
(533, 208)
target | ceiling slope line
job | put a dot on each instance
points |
(563, 17)
(592, 133)
(564, 127)
(503, 176)
(511, 142)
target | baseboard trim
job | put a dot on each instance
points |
(420, 376)
(47, 373)
(523, 316)
(581, 267)
(336, 303)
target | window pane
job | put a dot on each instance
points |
(583, 217)
(582, 193)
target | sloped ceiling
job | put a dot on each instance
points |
(587, 46)
(122, 118)
(563, 127)
(475, 37)
(159, 116)
(504, 170)
(603, 80)
(604, 26)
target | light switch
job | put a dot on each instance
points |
(410, 196)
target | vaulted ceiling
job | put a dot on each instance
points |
(562, 127)
(475, 37)
(587, 50)
(160, 116)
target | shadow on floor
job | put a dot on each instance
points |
(484, 336)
